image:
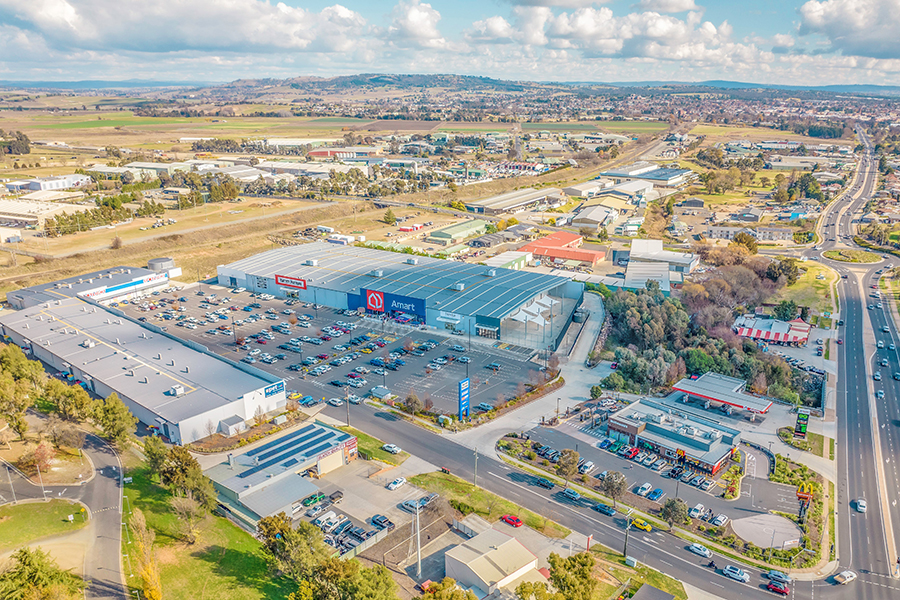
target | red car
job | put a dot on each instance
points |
(321, 356)
(840, 341)
(615, 365)
(261, 341)
(778, 587)
(354, 375)
(325, 338)
(512, 520)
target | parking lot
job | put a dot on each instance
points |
(302, 333)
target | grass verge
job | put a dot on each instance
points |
(372, 447)
(226, 563)
(641, 574)
(44, 519)
(488, 505)
(853, 256)
(831, 451)
(831, 533)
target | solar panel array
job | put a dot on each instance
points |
(307, 441)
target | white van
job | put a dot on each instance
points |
(324, 518)
(695, 512)
(586, 468)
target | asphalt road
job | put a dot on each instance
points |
(862, 542)
(103, 496)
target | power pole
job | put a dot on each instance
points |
(475, 478)
(418, 544)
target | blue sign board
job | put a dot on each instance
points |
(376, 301)
(463, 398)
(277, 388)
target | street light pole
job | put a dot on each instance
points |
(627, 529)
(475, 476)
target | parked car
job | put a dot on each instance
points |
(605, 509)
(511, 520)
(396, 483)
(656, 495)
(391, 448)
(644, 490)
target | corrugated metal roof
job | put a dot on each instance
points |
(349, 269)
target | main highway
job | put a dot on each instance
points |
(867, 436)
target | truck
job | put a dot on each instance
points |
(844, 577)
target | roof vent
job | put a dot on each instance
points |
(491, 272)
(412, 261)
(87, 343)
(177, 390)
(187, 369)
(312, 263)
(459, 286)
(144, 380)
(377, 273)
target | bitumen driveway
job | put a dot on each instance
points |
(103, 496)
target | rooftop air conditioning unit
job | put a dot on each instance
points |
(689, 431)
(491, 272)
(177, 390)
(312, 263)
(459, 287)
(377, 273)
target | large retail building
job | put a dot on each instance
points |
(523, 308)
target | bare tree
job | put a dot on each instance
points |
(147, 566)
(72, 437)
(209, 428)
(190, 514)
(259, 417)
(614, 485)
(6, 436)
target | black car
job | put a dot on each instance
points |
(337, 383)
(605, 509)
(382, 522)
(545, 483)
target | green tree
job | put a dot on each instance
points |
(748, 241)
(567, 466)
(389, 217)
(412, 403)
(115, 419)
(573, 576)
(175, 471)
(528, 590)
(33, 574)
(295, 552)
(614, 485)
(786, 310)
(674, 511)
(155, 451)
(71, 401)
(448, 590)
(596, 391)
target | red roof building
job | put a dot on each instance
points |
(563, 245)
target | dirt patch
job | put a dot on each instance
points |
(219, 443)
(166, 555)
(399, 125)
(66, 467)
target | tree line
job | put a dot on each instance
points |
(14, 143)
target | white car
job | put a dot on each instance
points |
(396, 483)
(336, 402)
(736, 574)
(644, 490)
(720, 520)
(700, 550)
(861, 505)
(392, 448)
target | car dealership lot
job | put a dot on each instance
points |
(210, 323)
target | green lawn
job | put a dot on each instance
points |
(43, 519)
(226, 564)
(642, 574)
(575, 126)
(809, 291)
(486, 504)
(372, 447)
(853, 256)
(117, 122)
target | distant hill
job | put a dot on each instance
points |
(98, 84)
(740, 85)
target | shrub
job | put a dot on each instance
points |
(462, 507)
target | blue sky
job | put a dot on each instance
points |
(807, 42)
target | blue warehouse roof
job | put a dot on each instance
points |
(485, 292)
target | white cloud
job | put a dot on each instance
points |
(560, 3)
(415, 23)
(175, 25)
(492, 30)
(854, 27)
(667, 6)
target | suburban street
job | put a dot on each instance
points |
(103, 496)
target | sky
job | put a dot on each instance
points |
(811, 42)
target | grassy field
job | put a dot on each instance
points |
(852, 256)
(44, 519)
(614, 562)
(809, 291)
(633, 127)
(372, 447)
(719, 133)
(574, 126)
(486, 504)
(227, 563)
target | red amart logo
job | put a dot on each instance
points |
(375, 300)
